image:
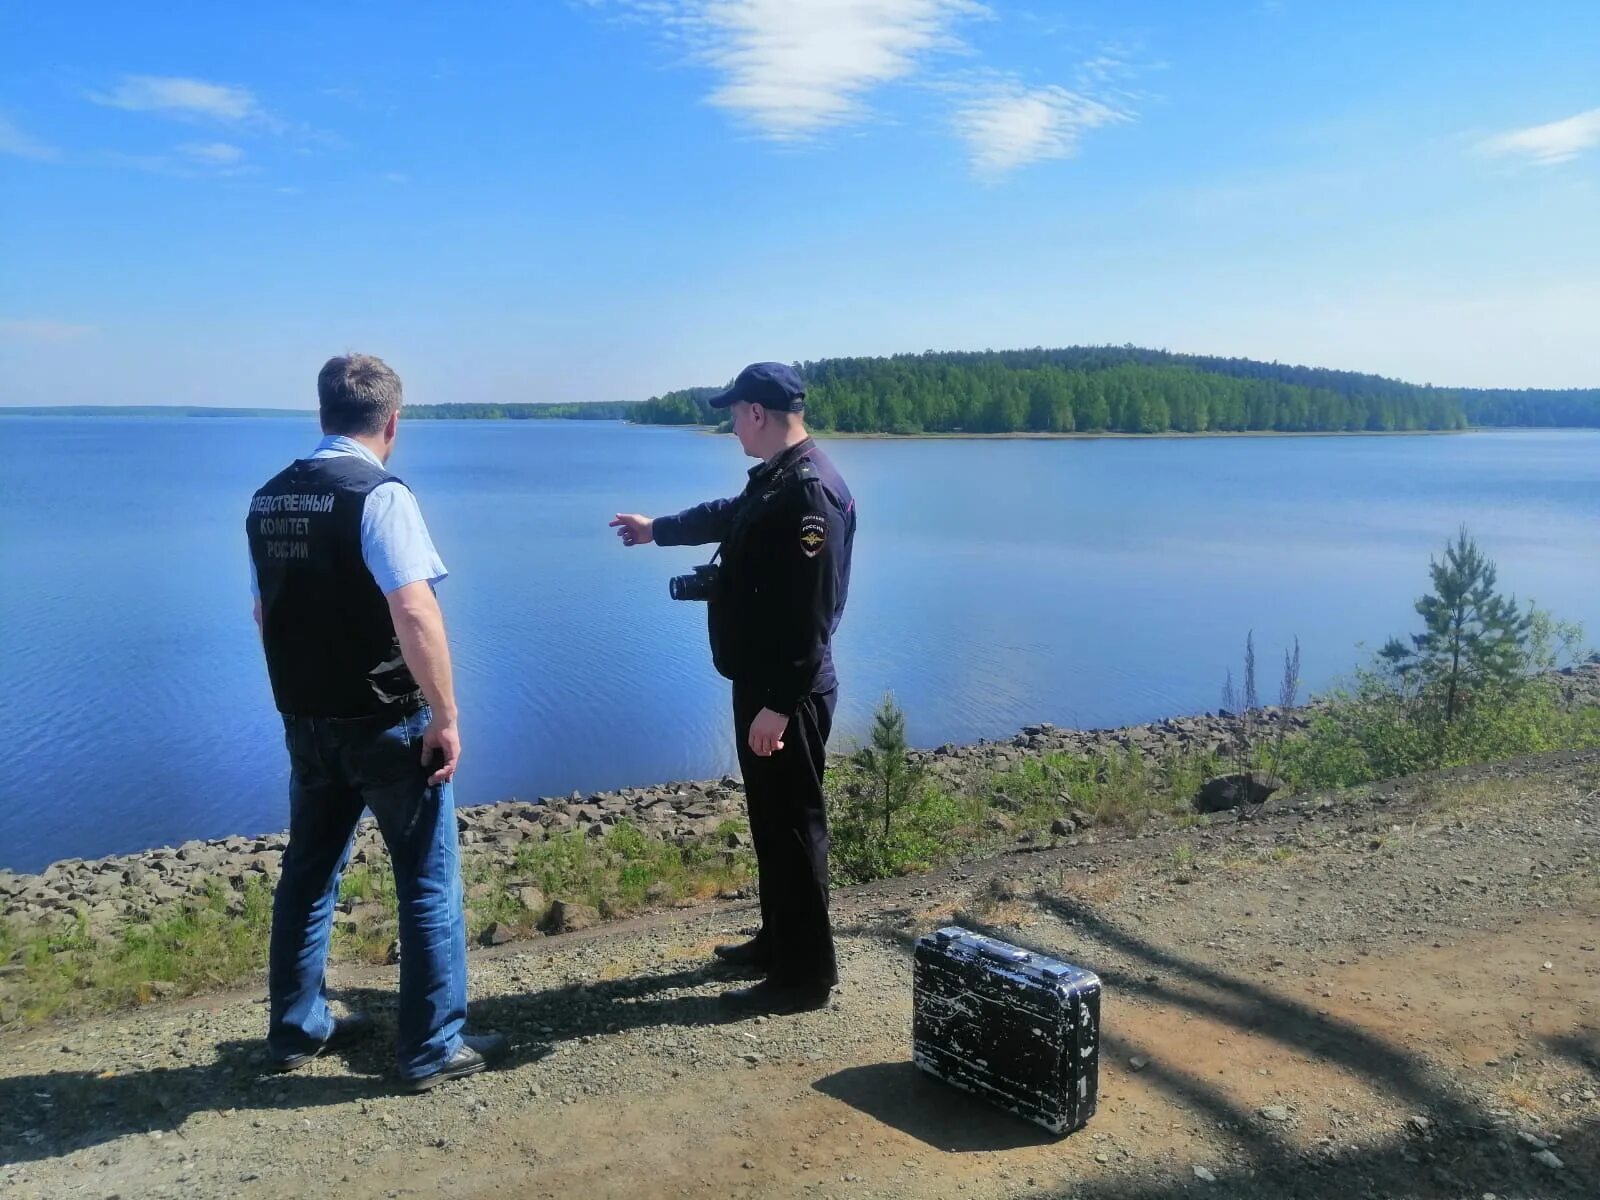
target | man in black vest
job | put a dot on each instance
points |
(773, 610)
(344, 574)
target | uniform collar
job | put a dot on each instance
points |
(783, 461)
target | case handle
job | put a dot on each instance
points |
(1002, 953)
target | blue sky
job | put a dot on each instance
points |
(603, 199)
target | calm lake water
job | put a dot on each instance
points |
(997, 583)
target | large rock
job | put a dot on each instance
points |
(1230, 791)
(497, 934)
(567, 917)
(201, 856)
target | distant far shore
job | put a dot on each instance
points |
(146, 410)
(1028, 435)
(178, 410)
(1033, 436)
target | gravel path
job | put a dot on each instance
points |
(1390, 993)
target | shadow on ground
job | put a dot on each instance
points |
(55, 1113)
(901, 1096)
(1462, 1151)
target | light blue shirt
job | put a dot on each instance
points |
(394, 540)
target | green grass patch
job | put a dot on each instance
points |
(1373, 732)
(936, 825)
(930, 827)
(619, 873)
(891, 815)
(366, 932)
(1124, 791)
(60, 969)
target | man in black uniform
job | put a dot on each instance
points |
(773, 609)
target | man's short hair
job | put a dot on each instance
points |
(357, 394)
(783, 416)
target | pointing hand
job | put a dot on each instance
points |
(633, 529)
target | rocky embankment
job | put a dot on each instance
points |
(110, 892)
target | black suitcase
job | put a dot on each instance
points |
(1019, 1029)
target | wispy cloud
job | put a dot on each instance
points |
(1548, 145)
(792, 69)
(212, 154)
(232, 109)
(1008, 125)
(36, 330)
(15, 142)
(182, 97)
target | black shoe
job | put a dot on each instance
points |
(753, 953)
(345, 1031)
(778, 998)
(478, 1052)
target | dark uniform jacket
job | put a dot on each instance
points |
(786, 542)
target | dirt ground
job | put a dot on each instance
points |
(1392, 993)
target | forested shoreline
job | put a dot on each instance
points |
(1130, 390)
(1077, 390)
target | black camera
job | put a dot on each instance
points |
(700, 585)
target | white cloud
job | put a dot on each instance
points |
(14, 141)
(213, 154)
(1547, 145)
(182, 97)
(35, 330)
(1007, 125)
(792, 69)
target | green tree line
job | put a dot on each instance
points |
(1572, 406)
(685, 407)
(1108, 389)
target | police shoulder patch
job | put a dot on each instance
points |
(813, 534)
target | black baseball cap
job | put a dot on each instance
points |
(769, 384)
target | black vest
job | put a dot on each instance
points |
(330, 642)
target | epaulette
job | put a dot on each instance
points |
(798, 475)
(805, 471)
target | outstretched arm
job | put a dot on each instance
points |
(708, 522)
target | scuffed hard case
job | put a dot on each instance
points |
(1017, 1028)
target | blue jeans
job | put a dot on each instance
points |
(337, 768)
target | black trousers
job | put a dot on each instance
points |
(789, 826)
